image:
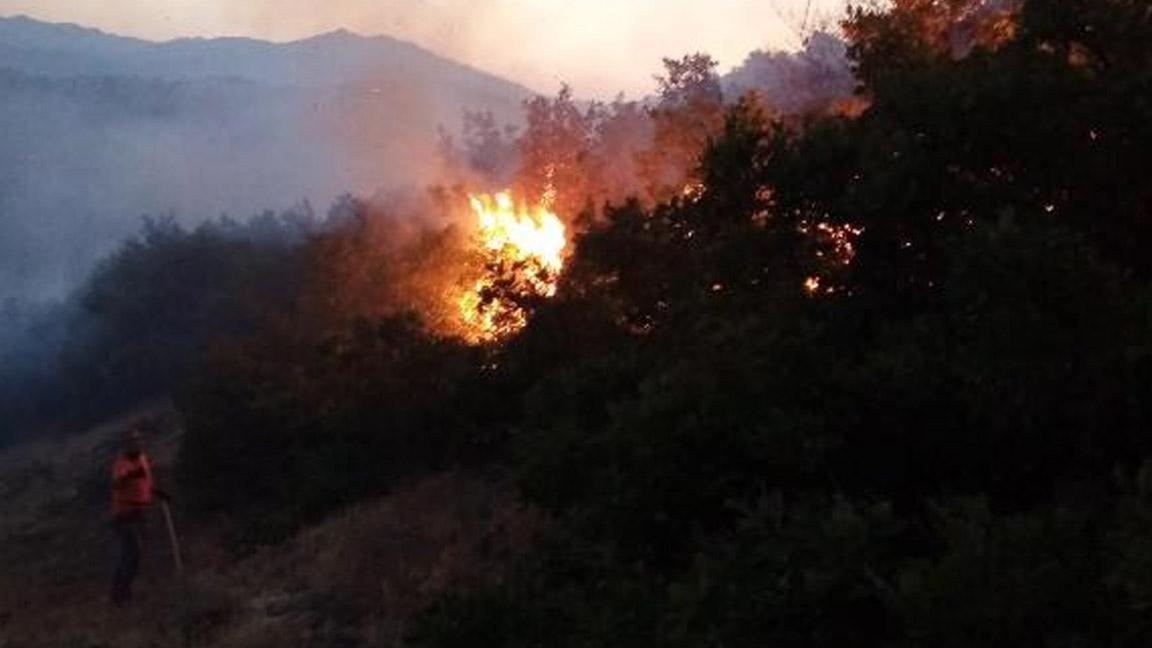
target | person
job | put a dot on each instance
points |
(133, 494)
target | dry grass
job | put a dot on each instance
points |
(356, 579)
(362, 575)
(55, 546)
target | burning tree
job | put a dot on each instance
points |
(520, 253)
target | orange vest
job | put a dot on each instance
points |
(134, 494)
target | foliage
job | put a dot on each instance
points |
(874, 379)
(290, 426)
(941, 441)
(349, 388)
(132, 330)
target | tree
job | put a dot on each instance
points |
(689, 111)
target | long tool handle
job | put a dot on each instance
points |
(173, 538)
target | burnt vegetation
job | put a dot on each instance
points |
(881, 376)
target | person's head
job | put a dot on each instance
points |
(132, 441)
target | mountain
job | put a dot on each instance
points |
(334, 58)
(97, 130)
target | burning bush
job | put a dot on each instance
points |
(521, 253)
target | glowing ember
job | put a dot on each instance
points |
(693, 191)
(522, 250)
(840, 240)
(812, 285)
(836, 247)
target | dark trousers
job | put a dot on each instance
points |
(129, 532)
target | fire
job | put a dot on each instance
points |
(522, 252)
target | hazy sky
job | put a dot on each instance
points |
(600, 47)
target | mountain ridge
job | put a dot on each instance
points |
(34, 36)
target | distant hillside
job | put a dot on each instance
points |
(334, 58)
(97, 130)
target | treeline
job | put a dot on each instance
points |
(134, 328)
(874, 379)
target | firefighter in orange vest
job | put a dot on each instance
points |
(133, 493)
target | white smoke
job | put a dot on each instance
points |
(796, 83)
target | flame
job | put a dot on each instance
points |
(522, 252)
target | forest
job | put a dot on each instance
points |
(875, 371)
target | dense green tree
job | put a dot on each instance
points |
(880, 381)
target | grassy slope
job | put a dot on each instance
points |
(355, 579)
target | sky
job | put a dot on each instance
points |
(599, 47)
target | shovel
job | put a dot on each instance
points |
(173, 538)
(183, 591)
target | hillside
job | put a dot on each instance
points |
(872, 374)
(358, 578)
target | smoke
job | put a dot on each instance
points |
(84, 160)
(111, 130)
(100, 132)
(807, 81)
(164, 131)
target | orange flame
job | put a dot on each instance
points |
(522, 250)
